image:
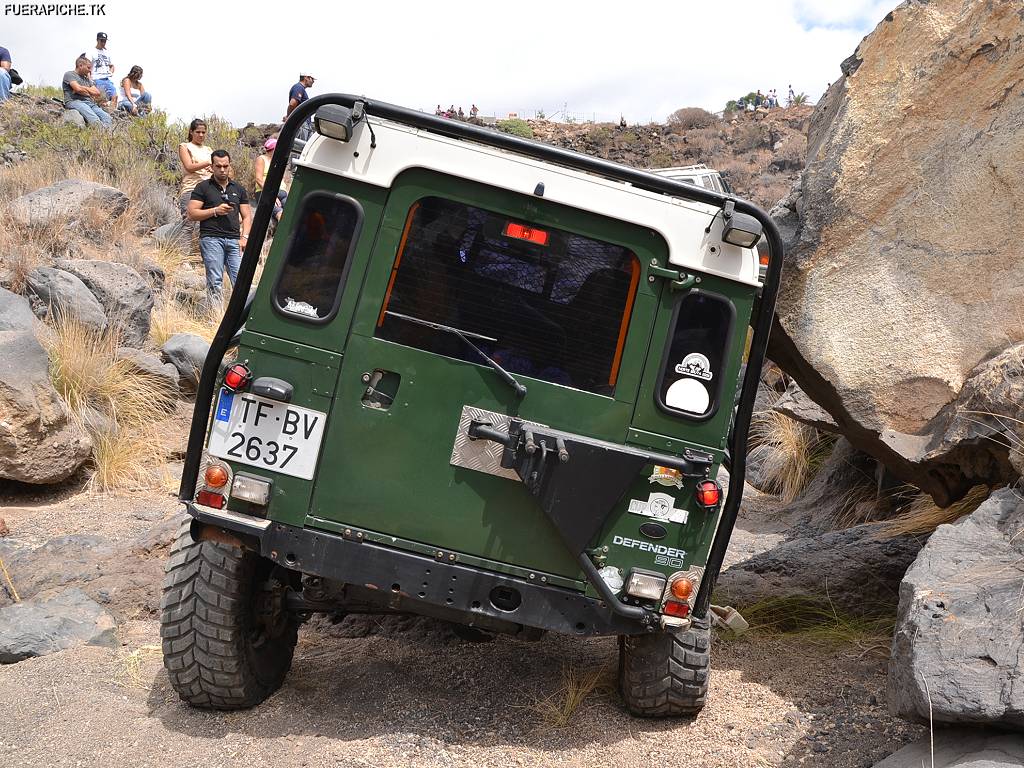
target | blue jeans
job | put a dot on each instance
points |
(106, 87)
(218, 252)
(91, 111)
(144, 104)
(5, 84)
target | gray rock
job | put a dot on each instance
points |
(961, 748)
(849, 569)
(188, 288)
(797, 405)
(54, 290)
(187, 352)
(172, 233)
(959, 641)
(38, 442)
(65, 201)
(73, 117)
(125, 296)
(165, 373)
(42, 627)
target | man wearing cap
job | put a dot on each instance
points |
(296, 96)
(103, 68)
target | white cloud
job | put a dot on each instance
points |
(603, 58)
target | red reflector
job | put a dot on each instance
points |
(708, 494)
(763, 258)
(681, 610)
(523, 232)
(210, 499)
(237, 377)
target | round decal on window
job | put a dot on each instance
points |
(688, 395)
(697, 365)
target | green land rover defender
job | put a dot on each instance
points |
(481, 379)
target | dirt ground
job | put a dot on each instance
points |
(397, 691)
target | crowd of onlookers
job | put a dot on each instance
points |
(457, 114)
(768, 100)
(90, 88)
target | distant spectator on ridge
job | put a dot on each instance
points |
(5, 74)
(82, 95)
(134, 98)
(296, 96)
(103, 68)
(474, 110)
(791, 97)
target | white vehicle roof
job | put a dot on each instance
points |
(681, 223)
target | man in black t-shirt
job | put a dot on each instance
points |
(222, 209)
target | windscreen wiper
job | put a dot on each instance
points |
(507, 377)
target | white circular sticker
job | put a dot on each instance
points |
(688, 395)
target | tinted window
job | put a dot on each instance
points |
(318, 256)
(543, 302)
(694, 360)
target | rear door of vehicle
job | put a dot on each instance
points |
(556, 295)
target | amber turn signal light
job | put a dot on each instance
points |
(682, 588)
(215, 476)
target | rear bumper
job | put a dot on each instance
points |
(415, 579)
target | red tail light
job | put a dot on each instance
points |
(237, 377)
(708, 494)
(523, 232)
(672, 608)
(210, 499)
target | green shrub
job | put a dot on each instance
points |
(691, 117)
(516, 127)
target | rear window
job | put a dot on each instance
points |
(543, 302)
(317, 258)
(692, 367)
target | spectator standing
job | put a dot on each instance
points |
(791, 97)
(262, 167)
(5, 74)
(296, 96)
(82, 95)
(103, 68)
(134, 98)
(196, 159)
(474, 110)
(221, 207)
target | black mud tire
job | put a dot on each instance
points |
(666, 674)
(217, 652)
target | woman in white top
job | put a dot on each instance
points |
(196, 159)
(133, 97)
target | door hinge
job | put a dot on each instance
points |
(680, 281)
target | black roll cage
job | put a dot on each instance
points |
(233, 315)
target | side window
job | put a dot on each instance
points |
(692, 366)
(318, 256)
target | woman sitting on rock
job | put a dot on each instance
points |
(134, 98)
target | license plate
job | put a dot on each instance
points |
(265, 433)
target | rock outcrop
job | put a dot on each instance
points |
(186, 352)
(960, 748)
(41, 627)
(55, 291)
(66, 201)
(124, 294)
(958, 650)
(38, 442)
(903, 264)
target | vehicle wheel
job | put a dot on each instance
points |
(665, 674)
(227, 636)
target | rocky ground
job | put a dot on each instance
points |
(397, 691)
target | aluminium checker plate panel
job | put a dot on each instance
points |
(482, 455)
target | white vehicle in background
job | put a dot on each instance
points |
(701, 176)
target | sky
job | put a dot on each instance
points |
(596, 59)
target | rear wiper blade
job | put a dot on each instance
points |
(507, 377)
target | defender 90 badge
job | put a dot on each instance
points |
(660, 506)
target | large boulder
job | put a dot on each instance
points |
(894, 292)
(124, 294)
(55, 291)
(150, 365)
(958, 650)
(40, 627)
(960, 748)
(38, 442)
(186, 352)
(65, 201)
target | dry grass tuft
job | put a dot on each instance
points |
(923, 515)
(129, 668)
(169, 317)
(790, 452)
(817, 619)
(112, 400)
(558, 709)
